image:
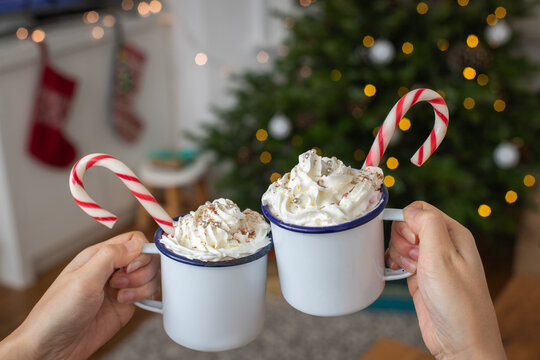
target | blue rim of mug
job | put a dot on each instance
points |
(329, 229)
(222, 263)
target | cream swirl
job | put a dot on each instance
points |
(217, 231)
(321, 191)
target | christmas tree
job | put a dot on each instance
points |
(346, 63)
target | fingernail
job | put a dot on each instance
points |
(391, 263)
(133, 266)
(408, 264)
(126, 296)
(413, 254)
(407, 234)
(132, 245)
(410, 212)
(119, 282)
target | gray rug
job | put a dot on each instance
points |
(288, 334)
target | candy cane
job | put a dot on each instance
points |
(128, 178)
(394, 117)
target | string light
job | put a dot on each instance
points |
(376, 131)
(404, 124)
(262, 57)
(484, 210)
(482, 79)
(275, 176)
(38, 35)
(500, 12)
(143, 8)
(297, 140)
(317, 150)
(422, 8)
(529, 180)
(469, 103)
(472, 41)
(407, 48)
(499, 105)
(261, 135)
(265, 157)
(335, 75)
(201, 59)
(359, 155)
(368, 41)
(392, 163)
(22, 33)
(402, 91)
(370, 90)
(511, 196)
(155, 6)
(463, 2)
(127, 5)
(491, 19)
(389, 181)
(443, 44)
(469, 73)
(98, 32)
(109, 20)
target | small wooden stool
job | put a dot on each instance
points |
(173, 182)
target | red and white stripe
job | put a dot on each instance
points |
(394, 117)
(128, 178)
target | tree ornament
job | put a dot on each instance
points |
(506, 155)
(498, 34)
(279, 126)
(382, 52)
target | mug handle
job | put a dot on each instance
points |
(389, 274)
(150, 305)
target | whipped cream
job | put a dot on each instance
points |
(321, 191)
(217, 231)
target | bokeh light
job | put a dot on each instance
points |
(529, 180)
(261, 135)
(510, 197)
(359, 155)
(472, 41)
(499, 105)
(389, 181)
(38, 35)
(265, 157)
(335, 75)
(368, 41)
(482, 79)
(469, 73)
(469, 103)
(402, 91)
(500, 12)
(443, 44)
(370, 90)
(275, 176)
(407, 48)
(98, 32)
(201, 59)
(422, 8)
(22, 33)
(262, 57)
(392, 163)
(484, 210)
(404, 124)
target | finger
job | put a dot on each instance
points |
(405, 246)
(401, 228)
(130, 295)
(122, 279)
(402, 261)
(139, 262)
(108, 258)
(389, 261)
(89, 252)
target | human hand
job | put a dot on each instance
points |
(89, 301)
(449, 290)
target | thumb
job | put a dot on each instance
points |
(430, 226)
(110, 257)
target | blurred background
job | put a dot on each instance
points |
(204, 99)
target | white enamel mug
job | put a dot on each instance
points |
(210, 306)
(334, 270)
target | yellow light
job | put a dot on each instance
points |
(368, 41)
(21, 33)
(370, 90)
(389, 181)
(265, 157)
(469, 103)
(109, 20)
(335, 75)
(392, 163)
(376, 131)
(98, 32)
(443, 44)
(491, 19)
(127, 5)
(155, 6)
(482, 79)
(261, 134)
(201, 59)
(143, 8)
(499, 105)
(275, 176)
(472, 41)
(317, 150)
(305, 3)
(463, 2)
(469, 73)
(500, 12)
(422, 8)
(404, 124)
(38, 35)
(402, 91)
(529, 180)
(359, 155)
(297, 140)
(511, 197)
(262, 57)
(484, 210)
(407, 47)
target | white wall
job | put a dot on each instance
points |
(40, 222)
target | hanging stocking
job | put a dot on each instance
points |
(128, 63)
(54, 96)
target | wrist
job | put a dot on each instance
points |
(489, 352)
(18, 346)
